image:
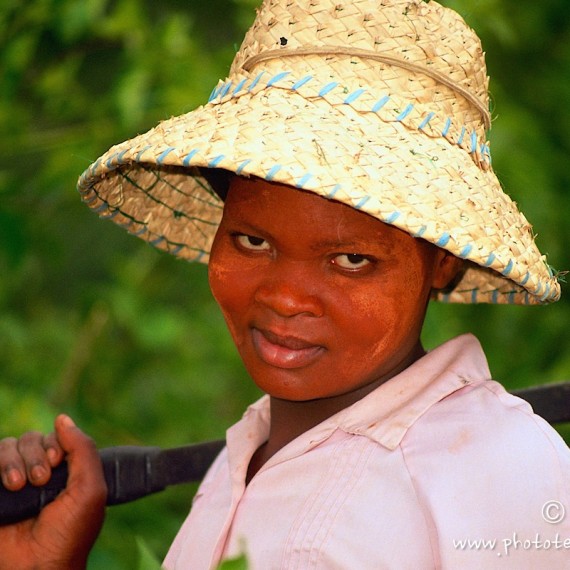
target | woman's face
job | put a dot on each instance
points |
(321, 300)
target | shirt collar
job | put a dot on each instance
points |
(385, 414)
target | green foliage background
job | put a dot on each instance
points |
(96, 323)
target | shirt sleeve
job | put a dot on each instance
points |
(188, 547)
(494, 480)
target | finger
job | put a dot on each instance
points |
(53, 449)
(12, 468)
(31, 448)
(85, 467)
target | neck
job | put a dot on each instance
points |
(290, 419)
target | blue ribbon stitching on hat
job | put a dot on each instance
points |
(380, 103)
(336, 188)
(361, 202)
(255, 81)
(189, 157)
(506, 271)
(216, 160)
(239, 86)
(277, 77)
(274, 170)
(301, 82)
(443, 240)
(526, 278)
(327, 88)
(425, 122)
(405, 113)
(304, 179)
(354, 96)
(223, 90)
(160, 158)
(240, 168)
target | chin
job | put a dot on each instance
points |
(289, 391)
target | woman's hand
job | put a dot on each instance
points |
(62, 535)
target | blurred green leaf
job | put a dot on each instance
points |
(239, 563)
(147, 560)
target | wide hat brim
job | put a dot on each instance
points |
(390, 157)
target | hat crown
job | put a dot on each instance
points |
(399, 44)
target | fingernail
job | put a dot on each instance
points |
(13, 476)
(52, 454)
(67, 421)
(37, 472)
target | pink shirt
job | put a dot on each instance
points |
(437, 468)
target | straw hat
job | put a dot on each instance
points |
(380, 105)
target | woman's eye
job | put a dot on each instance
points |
(252, 243)
(351, 261)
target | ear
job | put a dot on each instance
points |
(448, 270)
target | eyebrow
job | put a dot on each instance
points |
(350, 245)
(345, 245)
(356, 245)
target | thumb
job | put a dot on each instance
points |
(84, 464)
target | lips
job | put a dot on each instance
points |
(285, 351)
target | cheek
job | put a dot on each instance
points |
(233, 288)
(223, 284)
(217, 276)
(365, 326)
(388, 317)
(221, 268)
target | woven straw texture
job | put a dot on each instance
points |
(380, 105)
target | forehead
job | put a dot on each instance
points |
(278, 208)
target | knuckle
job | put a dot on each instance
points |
(30, 438)
(8, 443)
(90, 444)
(50, 439)
(9, 455)
(50, 442)
(31, 449)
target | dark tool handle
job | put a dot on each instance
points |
(551, 401)
(131, 472)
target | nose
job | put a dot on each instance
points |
(290, 293)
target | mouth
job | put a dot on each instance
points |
(285, 351)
